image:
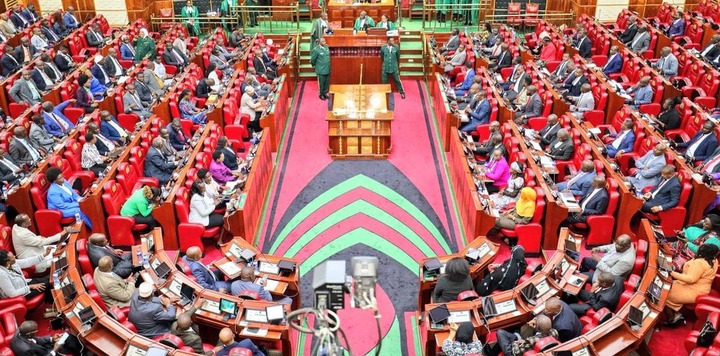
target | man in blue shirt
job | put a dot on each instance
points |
(463, 87)
(641, 94)
(56, 123)
(227, 342)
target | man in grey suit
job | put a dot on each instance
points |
(134, 105)
(144, 92)
(562, 148)
(641, 42)
(580, 183)
(156, 84)
(24, 90)
(156, 164)
(40, 136)
(641, 93)
(22, 150)
(618, 259)
(151, 316)
(667, 64)
(532, 108)
(247, 282)
(584, 102)
(453, 43)
(648, 168)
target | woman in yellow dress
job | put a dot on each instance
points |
(695, 280)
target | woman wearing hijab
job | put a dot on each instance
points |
(144, 46)
(454, 281)
(523, 212)
(695, 280)
(497, 172)
(462, 340)
(692, 237)
(511, 192)
(505, 276)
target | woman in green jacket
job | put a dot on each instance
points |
(703, 232)
(191, 13)
(144, 46)
(140, 206)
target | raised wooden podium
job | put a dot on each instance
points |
(359, 123)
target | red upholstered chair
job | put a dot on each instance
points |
(86, 177)
(249, 295)
(570, 167)
(513, 14)
(529, 235)
(600, 227)
(123, 227)
(467, 295)
(10, 318)
(673, 219)
(704, 90)
(590, 322)
(129, 180)
(137, 159)
(170, 340)
(83, 258)
(120, 315)
(192, 233)
(687, 130)
(531, 14)
(543, 344)
(128, 121)
(240, 351)
(52, 220)
(645, 145)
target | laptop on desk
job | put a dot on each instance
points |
(530, 293)
(635, 318)
(571, 250)
(162, 270)
(187, 294)
(439, 315)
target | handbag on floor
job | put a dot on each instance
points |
(707, 335)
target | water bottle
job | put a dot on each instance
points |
(78, 219)
(140, 256)
(56, 279)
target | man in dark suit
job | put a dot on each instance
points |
(606, 294)
(564, 321)
(516, 81)
(144, 92)
(25, 52)
(583, 44)
(40, 78)
(98, 71)
(112, 64)
(261, 68)
(99, 247)
(677, 26)
(103, 144)
(25, 342)
(666, 195)
(579, 184)
(18, 19)
(504, 59)
(629, 33)
(712, 163)
(208, 279)
(10, 64)
(51, 70)
(480, 115)
(623, 141)
(533, 107)
(614, 63)
(702, 144)
(22, 149)
(10, 171)
(595, 202)
(49, 33)
(562, 148)
(548, 133)
(712, 50)
(157, 165)
(573, 84)
(495, 142)
(177, 137)
(562, 70)
(204, 88)
(94, 37)
(174, 57)
(63, 60)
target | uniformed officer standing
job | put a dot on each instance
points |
(320, 60)
(390, 54)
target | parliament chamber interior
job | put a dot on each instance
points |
(359, 177)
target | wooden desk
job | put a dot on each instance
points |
(276, 118)
(359, 124)
(349, 52)
(433, 338)
(443, 115)
(245, 220)
(477, 270)
(347, 11)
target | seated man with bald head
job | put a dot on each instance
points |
(618, 259)
(247, 282)
(510, 344)
(605, 294)
(206, 277)
(115, 291)
(26, 341)
(188, 332)
(563, 319)
(99, 247)
(227, 342)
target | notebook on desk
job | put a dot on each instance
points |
(211, 306)
(256, 315)
(546, 161)
(269, 267)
